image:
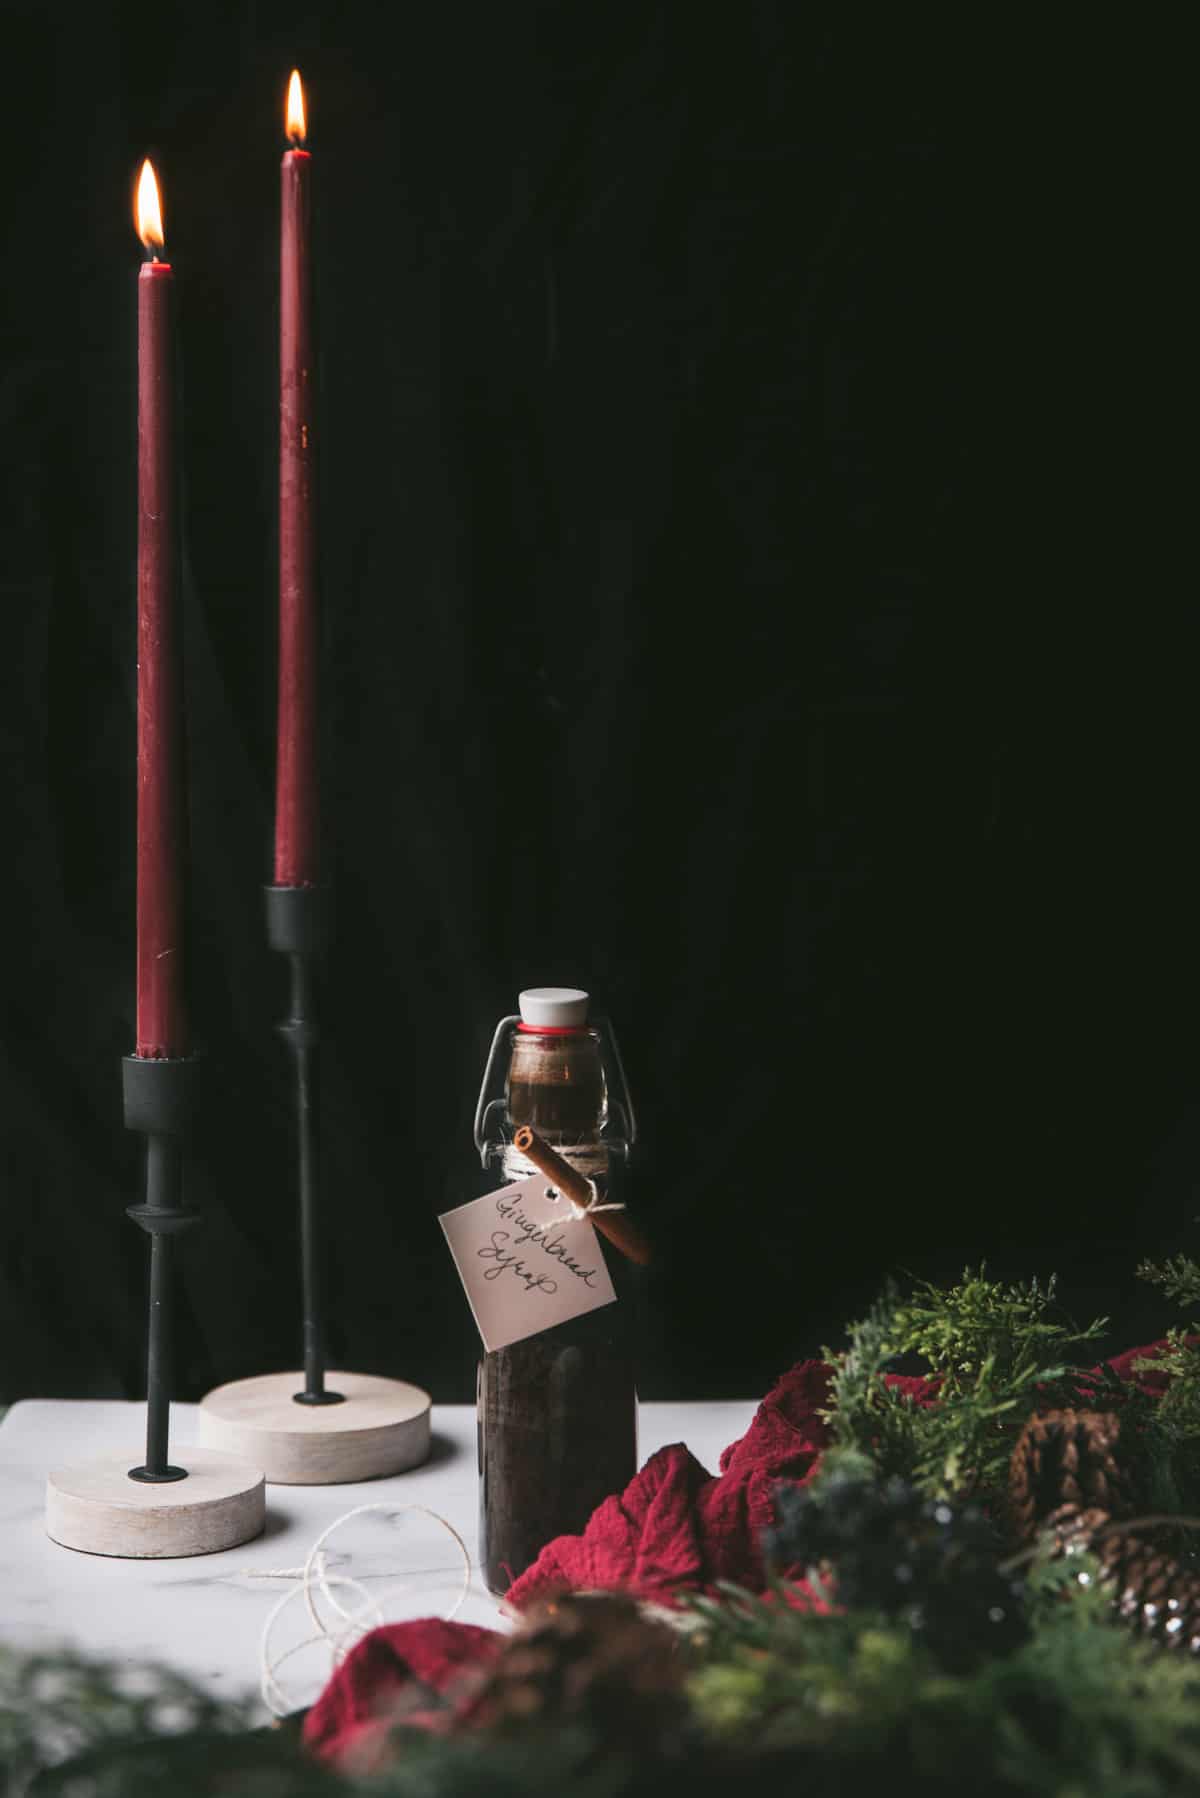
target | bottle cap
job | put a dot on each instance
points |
(553, 1007)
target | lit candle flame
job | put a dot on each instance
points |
(295, 109)
(148, 211)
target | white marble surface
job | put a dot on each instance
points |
(205, 1616)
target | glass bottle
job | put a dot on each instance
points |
(557, 1412)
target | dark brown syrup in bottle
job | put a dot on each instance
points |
(557, 1412)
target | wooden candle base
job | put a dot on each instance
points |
(381, 1427)
(96, 1508)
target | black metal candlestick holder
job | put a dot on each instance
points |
(296, 928)
(154, 1510)
(372, 1425)
(159, 1103)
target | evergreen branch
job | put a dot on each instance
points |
(1179, 1277)
(997, 1352)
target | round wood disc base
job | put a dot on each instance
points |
(96, 1508)
(381, 1427)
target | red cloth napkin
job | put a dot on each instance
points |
(1150, 1382)
(674, 1528)
(401, 1673)
(677, 1527)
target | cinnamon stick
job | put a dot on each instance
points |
(618, 1226)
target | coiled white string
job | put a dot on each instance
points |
(343, 1635)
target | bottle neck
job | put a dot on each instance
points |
(589, 1159)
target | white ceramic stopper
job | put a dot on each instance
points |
(553, 1006)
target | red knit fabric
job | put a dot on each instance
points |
(1149, 1382)
(675, 1528)
(412, 1673)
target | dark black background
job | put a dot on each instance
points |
(749, 562)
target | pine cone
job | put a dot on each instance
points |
(1151, 1591)
(592, 1658)
(1065, 1457)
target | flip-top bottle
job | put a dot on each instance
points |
(557, 1412)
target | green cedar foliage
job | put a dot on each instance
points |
(1179, 1277)
(1171, 1436)
(923, 1562)
(997, 1352)
(1077, 1709)
(57, 1706)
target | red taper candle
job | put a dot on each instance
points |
(161, 797)
(296, 811)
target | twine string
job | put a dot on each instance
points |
(594, 1204)
(314, 1576)
(518, 1166)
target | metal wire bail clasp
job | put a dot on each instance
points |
(493, 1125)
(491, 1110)
(620, 1132)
